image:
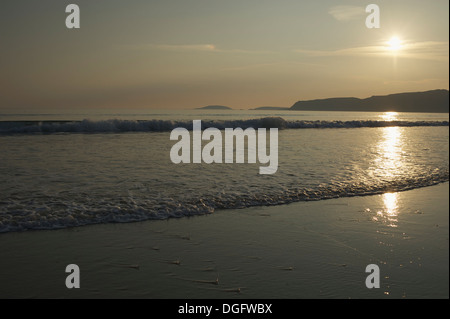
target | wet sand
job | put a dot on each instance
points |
(302, 250)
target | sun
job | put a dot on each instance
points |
(394, 44)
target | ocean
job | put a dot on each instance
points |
(75, 169)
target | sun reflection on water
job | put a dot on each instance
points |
(389, 116)
(388, 164)
(392, 149)
(388, 161)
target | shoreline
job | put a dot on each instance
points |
(312, 249)
(276, 204)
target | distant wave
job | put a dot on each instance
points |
(123, 126)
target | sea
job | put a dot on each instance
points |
(107, 166)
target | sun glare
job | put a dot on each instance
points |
(389, 116)
(394, 44)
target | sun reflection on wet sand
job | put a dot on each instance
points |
(387, 215)
(390, 209)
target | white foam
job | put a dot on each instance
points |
(123, 126)
(62, 213)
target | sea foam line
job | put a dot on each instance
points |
(123, 126)
(19, 215)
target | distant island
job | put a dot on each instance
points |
(435, 101)
(215, 107)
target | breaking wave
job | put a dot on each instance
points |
(123, 126)
(56, 213)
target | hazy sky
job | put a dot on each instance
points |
(192, 53)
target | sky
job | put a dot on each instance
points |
(184, 54)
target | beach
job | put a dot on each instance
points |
(218, 150)
(309, 249)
